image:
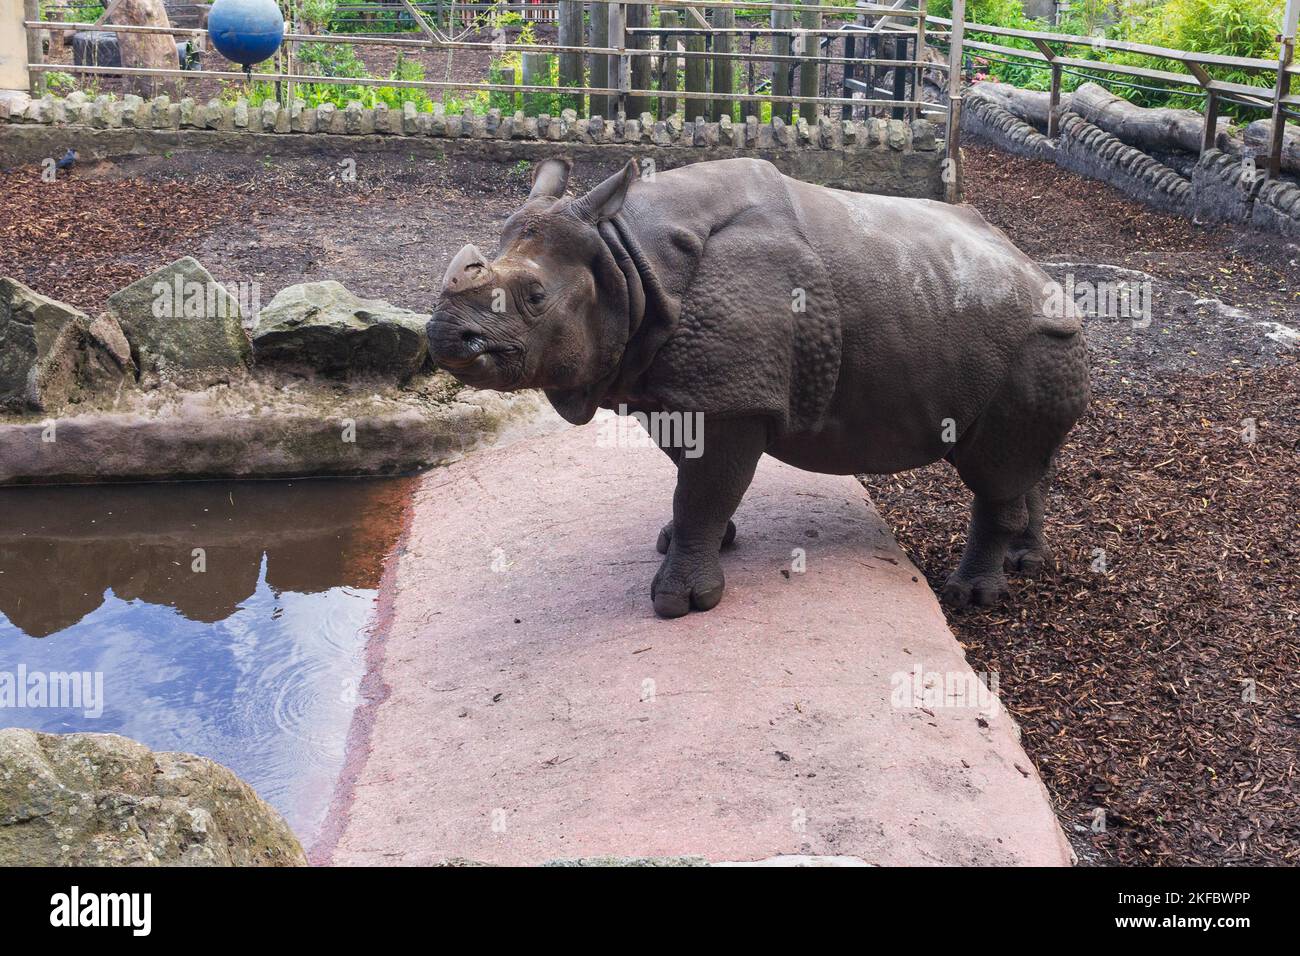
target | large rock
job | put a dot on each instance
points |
(105, 800)
(38, 339)
(51, 353)
(323, 327)
(183, 325)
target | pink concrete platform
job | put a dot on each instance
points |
(530, 706)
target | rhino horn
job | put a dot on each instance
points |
(468, 270)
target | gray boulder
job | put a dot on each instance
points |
(322, 327)
(182, 324)
(105, 800)
(38, 338)
(51, 353)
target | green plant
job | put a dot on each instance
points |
(1244, 28)
(60, 82)
(317, 14)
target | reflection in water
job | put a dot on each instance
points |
(228, 619)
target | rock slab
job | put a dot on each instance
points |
(182, 324)
(51, 352)
(536, 709)
(105, 800)
(322, 327)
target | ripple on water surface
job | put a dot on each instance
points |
(224, 619)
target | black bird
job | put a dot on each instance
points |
(68, 161)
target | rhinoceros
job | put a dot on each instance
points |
(838, 332)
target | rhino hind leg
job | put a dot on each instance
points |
(980, 578)
(1028, 554)
(666, 537)
(1006, 457)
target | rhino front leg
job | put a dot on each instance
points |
(709, 489)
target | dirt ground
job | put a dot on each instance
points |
(1155, 670)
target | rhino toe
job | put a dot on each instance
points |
(1029, 560)
(984, 590)
(682, 585)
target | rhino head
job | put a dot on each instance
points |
(551, 310)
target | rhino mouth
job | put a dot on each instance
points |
(487, 366)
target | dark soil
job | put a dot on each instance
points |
(1161, 686)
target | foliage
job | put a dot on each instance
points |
(1245, 28)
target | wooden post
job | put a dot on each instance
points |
(810, 73)
(572, 67)
(668, 63)
(781, 20)
(618, 72)
(697, 78)
(952, 139)
(26, 48)
(537, 72)
(638, 15)
(599, 10)
(918, 71)
(1211, 120)
(724, 68)
(1054, 103)
(1286, 56)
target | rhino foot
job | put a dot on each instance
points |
(666, 537)
(1028, 559)
(986, 589)
(685, 582)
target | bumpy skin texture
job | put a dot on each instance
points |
(838, 332)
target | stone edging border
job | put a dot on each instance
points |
(1221, 188)
(133, 112)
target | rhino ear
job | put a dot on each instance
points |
(606, 200)
(550, 179)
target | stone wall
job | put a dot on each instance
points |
(1217, 187)
(1228, 190)
(892, 157)
(1091, 151)
(986, 118)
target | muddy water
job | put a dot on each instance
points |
(225, 619)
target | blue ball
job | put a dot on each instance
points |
(246, 31)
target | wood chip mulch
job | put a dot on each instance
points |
(77, 241)
(1155, 671)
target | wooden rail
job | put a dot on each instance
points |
(1273, 100)
(620, 54)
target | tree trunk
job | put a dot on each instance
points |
(1029, 105)
(1147, 129)
(152, 50)
(1257, 134)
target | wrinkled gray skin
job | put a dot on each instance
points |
(925, 334)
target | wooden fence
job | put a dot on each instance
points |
(625, 64)
(628, 63)
(1276, 100)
